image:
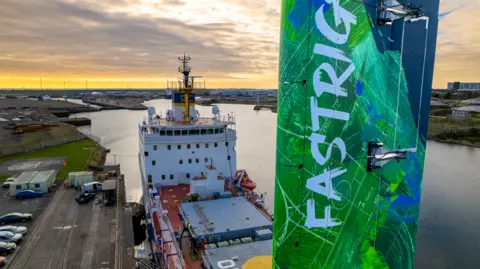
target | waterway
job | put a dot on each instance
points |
(449, 215)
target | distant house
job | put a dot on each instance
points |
(460, 115)
(44, 98)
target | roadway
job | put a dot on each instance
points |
(69, 235)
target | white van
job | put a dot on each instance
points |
(92, 186)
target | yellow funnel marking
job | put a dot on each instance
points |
(259, 262)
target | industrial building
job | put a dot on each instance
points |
(77, 179)
(42, 181)
(21, 182)
(109, 191)
(224, 220)
(464, 86)
(33, 180)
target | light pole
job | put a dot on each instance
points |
(114, 159)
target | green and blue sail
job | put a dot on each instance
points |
(344, 82)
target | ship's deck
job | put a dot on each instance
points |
(250, 255)
(170, 197)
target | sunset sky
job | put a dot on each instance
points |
(233, 43)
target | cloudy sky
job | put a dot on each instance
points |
(233, 43)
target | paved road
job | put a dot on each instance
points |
(69, 235)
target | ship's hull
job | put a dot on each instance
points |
(344, 82)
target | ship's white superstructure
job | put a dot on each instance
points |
(175, 152)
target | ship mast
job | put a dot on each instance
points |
(186, 88)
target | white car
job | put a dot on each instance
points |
(10, 237)
(14, 229)
(7, 182)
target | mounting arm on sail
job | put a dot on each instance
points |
(391, 10)
(379, 156)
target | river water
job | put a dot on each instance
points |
(448, 235)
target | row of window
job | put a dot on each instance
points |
(197, 160)
(36, 185)
(164, 177)
(188, 131)
(179, 146)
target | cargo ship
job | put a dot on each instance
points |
(198, 210)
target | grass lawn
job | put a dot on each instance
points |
(4, 177)
(76, 153)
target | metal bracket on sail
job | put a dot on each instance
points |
(391, 10)
(378, 156)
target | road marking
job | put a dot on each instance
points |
(66, 227)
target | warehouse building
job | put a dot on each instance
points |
(42, 181)
(33, 180)
(21, 182)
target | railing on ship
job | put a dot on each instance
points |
(175, 243)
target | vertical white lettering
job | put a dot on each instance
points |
(313, 222)
(330, 52)
(315, 183)
(335, 87)
(324, 112)
(341, 15)
(320, 139)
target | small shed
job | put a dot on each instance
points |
(77, 179)
(21, 182)
(109, 191)
(42, 181)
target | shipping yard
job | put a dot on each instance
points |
(66, 233)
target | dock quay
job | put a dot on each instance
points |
(77, 121)
(66, 234)
(114, 103)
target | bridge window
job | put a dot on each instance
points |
(210, 131)
(188, 146)
(179, 146)
(206, 145)
(197, 160)
(222, 130)
(215, 144)
(146, 153)
(149, 178)
(184, 132)
(162, 132)
(198, 146)
(169, 147)
(203, 131)
(169, 132)
(217, 131)
(180, 161)
(189, 160)
(163, 177)
(194, 132)
(176, 132)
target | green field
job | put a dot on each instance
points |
(3, 178)
(77, 155)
